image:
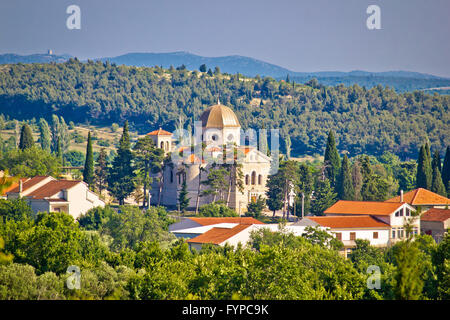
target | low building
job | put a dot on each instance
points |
(394, 214)
(422, 198)
(435, 222)
(47, 194)
(349, 228)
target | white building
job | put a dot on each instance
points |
(47, 194)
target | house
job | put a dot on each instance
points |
(393, 214)
(224, 231)
(423, 198)
(435, 222)
(351, 227)
(47, 194)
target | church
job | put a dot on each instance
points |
(219, 138)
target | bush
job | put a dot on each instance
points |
(216, 210)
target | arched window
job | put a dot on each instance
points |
(162, 145)
(171, 176)
(167, 145)
(259, 179)
(246, 179)
(253, 177)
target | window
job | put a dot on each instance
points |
(230, 137)
(400, 233)
(393, 233)
(408, 212)
(162, 145)
(246, 179)
(375, 235)
(260, 179)
(171, 176)
(253, 177)
(167, 145)
(352, 235)
(339, 236)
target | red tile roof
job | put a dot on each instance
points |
(435, 214)
(421, 196)
(28, 183)
(52, 188)
(352, 222)
(218, 235)
(159, 132)
(363, 207)
(213, 220)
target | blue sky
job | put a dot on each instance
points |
(301, 35)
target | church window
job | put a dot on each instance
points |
(167, 145)
(253, 177)
(230, 137)
(246, 179)
(259, 179)
(162, 145)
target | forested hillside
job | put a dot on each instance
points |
(365, 120)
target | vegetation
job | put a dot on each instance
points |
(376, 120)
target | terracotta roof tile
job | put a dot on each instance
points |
(435, 214)
(28, 183)
(52, 188)
(159, 132)
(421, 196)
(363, 207)
(218, 235)
(352, 222)
(213, 220)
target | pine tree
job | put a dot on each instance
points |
(45, 135)
(446, 171)
(345, 188)
(121, 175)
(437, 186)
(274, 193)
(324, 197)
(26, 137)
(424, 171)
(332, 161)
(183, 200)
(101, 170)
(88, 173)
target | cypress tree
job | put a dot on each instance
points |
(101, 170)
(45, 135)
(437, 186)
(424, 171)
(26, 137)
(345, 188)
(325, 197)
(121, 175)
(436, 162)
(183, 199)
(88, 173)
(332, 161)
(446, 171)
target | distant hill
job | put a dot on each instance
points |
(401, 81)
(32, 58)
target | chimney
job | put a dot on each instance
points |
(401, 195)
(20, 186)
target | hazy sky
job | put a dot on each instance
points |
(301, 35)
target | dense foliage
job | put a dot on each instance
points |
(365, 120)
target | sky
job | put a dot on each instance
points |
(300, 35)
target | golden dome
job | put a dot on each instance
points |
(219, 116)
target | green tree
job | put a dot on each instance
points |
(101, 170)
(216, 210)
(332, 161)
(183, 199)
(324, 197)
(446, 171)
(45, 135)
(274, 193)
(437, 186)
(345, 188)
(202, 68)
(26, 137)
(255, 208)
(424, 171)
(88, 172)
(121, 174)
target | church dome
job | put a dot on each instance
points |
(219, 116)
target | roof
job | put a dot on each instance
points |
(213, 220)
(338, 222)
(363, 207)
(52, 188)
(159, 132)
(28, 183)
(219, 116)
(421, 196)
(218, 235)
(435, 214)
(13, 186)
